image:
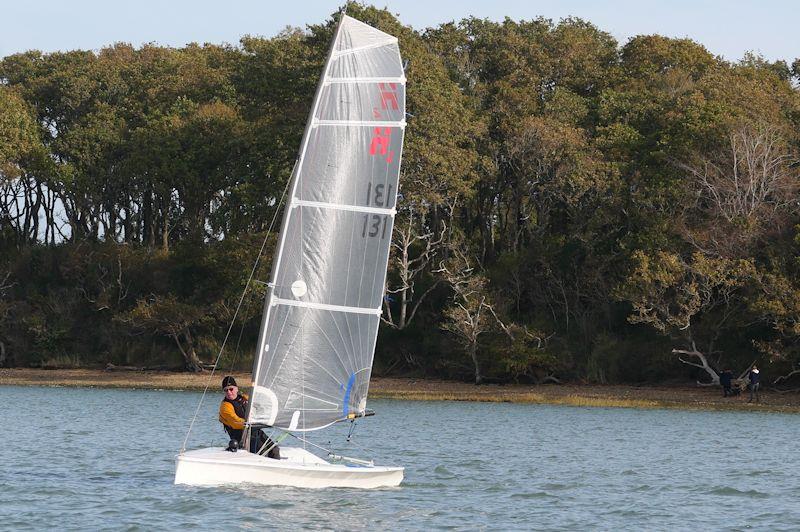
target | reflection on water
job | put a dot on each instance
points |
(94, 458)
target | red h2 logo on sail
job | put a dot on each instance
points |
(381, 136)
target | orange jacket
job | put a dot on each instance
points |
(228, 416)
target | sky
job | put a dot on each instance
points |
(727, 28)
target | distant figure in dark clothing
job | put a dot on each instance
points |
(725, 380)
(754, 384)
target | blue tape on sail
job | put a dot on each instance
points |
(347, 391)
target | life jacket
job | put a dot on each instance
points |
(239, 405)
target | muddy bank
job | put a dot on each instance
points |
(685, 397)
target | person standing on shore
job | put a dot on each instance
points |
(725, 380)
(754, 384)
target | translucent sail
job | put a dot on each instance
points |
(321, 316)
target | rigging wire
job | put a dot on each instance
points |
(329, 450)
(305, 441)
(351, 440)
(238, 343)
(236, 313)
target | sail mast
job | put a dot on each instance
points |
(288, 208)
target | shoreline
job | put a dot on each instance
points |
(587, 395)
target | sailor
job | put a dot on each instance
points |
(754, 384)
(233, 409)
(232, 414)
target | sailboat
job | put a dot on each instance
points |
(323, 305)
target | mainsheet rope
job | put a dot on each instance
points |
(238, 307)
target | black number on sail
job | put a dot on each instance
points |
(381, 196)
(372, 226)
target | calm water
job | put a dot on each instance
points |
(96, 458)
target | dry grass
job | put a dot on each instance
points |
(526, 397)
(687, 397)
(605, 402)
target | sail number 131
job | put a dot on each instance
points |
(375, 224)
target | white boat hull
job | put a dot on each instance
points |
(297, 467)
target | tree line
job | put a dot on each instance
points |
(571, 207)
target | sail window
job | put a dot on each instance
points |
(299, 288)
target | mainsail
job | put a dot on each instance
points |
(323, 308)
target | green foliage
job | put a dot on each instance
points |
(17, 132)
(667, 292)
(525, 357)
(570, 207)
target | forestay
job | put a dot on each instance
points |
(322, 312)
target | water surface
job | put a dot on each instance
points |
(102, 458)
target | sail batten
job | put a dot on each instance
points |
(343, 207)
(397, 79)
(360, 123)
(339, 53)
(323, 307)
